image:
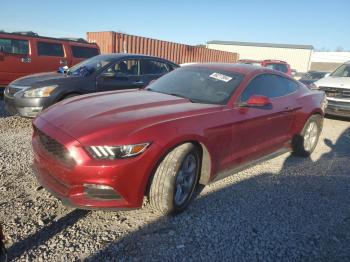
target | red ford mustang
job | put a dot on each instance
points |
(193, 125)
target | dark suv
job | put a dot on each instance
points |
(27, 96)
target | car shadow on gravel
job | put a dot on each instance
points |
(341, 118)
(3, 113)
(44, 234)
(301, 213)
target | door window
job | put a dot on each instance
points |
(125, 68)
(153, 67)
(270, 86)
(14, 46)
(50, 49)
(84, 52)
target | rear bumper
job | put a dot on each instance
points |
(27, 107)
(338, 108)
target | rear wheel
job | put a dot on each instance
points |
(305, 143)
(175, 179)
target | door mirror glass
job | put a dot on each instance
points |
(258, 101)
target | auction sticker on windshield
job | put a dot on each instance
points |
(220, 77)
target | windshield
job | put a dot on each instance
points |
(342, 71)
(279, 67)
(313, 75)
(200, 85)
(89, 66)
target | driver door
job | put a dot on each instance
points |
(123, 74)
(263, 130)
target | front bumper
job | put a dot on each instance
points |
(122, 182)
(338, 108)
(27, 107)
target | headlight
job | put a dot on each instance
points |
(115, 152)
(324, 103)
(313, 86)
(40, 92)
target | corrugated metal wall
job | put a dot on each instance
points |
(113, 42)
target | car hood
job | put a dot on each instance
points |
(339, 82)
(120, 113)
(43, 79)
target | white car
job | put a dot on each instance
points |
(337, 88)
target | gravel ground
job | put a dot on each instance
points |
(285, 209)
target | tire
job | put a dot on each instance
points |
(300, 142)
(173, 184)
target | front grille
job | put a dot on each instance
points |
(336, 92)
(55, 149)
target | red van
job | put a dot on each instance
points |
(278, 65)
(26, 53)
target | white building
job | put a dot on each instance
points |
(298, 56)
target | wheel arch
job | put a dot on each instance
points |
(65, 95)
(206, 161)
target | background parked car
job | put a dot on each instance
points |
(27, 96)
(249, 62)
(278, 65)
(28, 53)
(337, 89)
(311, 77)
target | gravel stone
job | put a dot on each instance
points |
(285, 209)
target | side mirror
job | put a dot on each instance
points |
(258, 101)
(327, 75)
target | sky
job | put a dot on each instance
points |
(323, 24)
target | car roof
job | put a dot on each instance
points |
(244, 69)
(128, 55)
(274, 61)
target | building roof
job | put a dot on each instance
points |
(218, 42)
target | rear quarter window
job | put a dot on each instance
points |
(84, 52)
(14, 46)
(50, 49)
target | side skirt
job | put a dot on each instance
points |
(231, 171)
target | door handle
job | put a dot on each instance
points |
(26, 60)
(288, 109)
(139, 82)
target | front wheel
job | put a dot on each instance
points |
(305, 143)
(175, 179)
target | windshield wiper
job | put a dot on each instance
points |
(178, 95)
(173, 94)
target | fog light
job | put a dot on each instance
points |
(101, 192)
(36, 109)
